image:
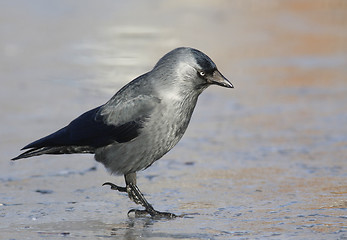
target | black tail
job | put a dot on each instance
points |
(55, 150)
(38, 151)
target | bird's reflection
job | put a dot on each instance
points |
(145, 227)
(134, 228)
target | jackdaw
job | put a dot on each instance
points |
(140, 123)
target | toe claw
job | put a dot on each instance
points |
(115, 187)
(137, 212)
(107, 183)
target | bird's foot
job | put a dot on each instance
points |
(136, 196)
(153, 213)
(115, 187)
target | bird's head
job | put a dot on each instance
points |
(189, 69)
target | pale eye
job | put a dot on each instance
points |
(202, 73)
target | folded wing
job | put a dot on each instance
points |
(96, 128)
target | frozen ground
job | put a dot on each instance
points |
(267, 159)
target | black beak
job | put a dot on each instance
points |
(218, 79)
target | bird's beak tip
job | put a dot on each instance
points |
(228, 84)
(220, 80)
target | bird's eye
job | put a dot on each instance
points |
(202, 73)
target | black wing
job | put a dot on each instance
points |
(96, 128)
(87, 130)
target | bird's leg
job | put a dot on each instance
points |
(135, 195)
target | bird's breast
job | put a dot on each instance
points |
(171, 121)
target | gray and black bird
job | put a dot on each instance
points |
(140, 123)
